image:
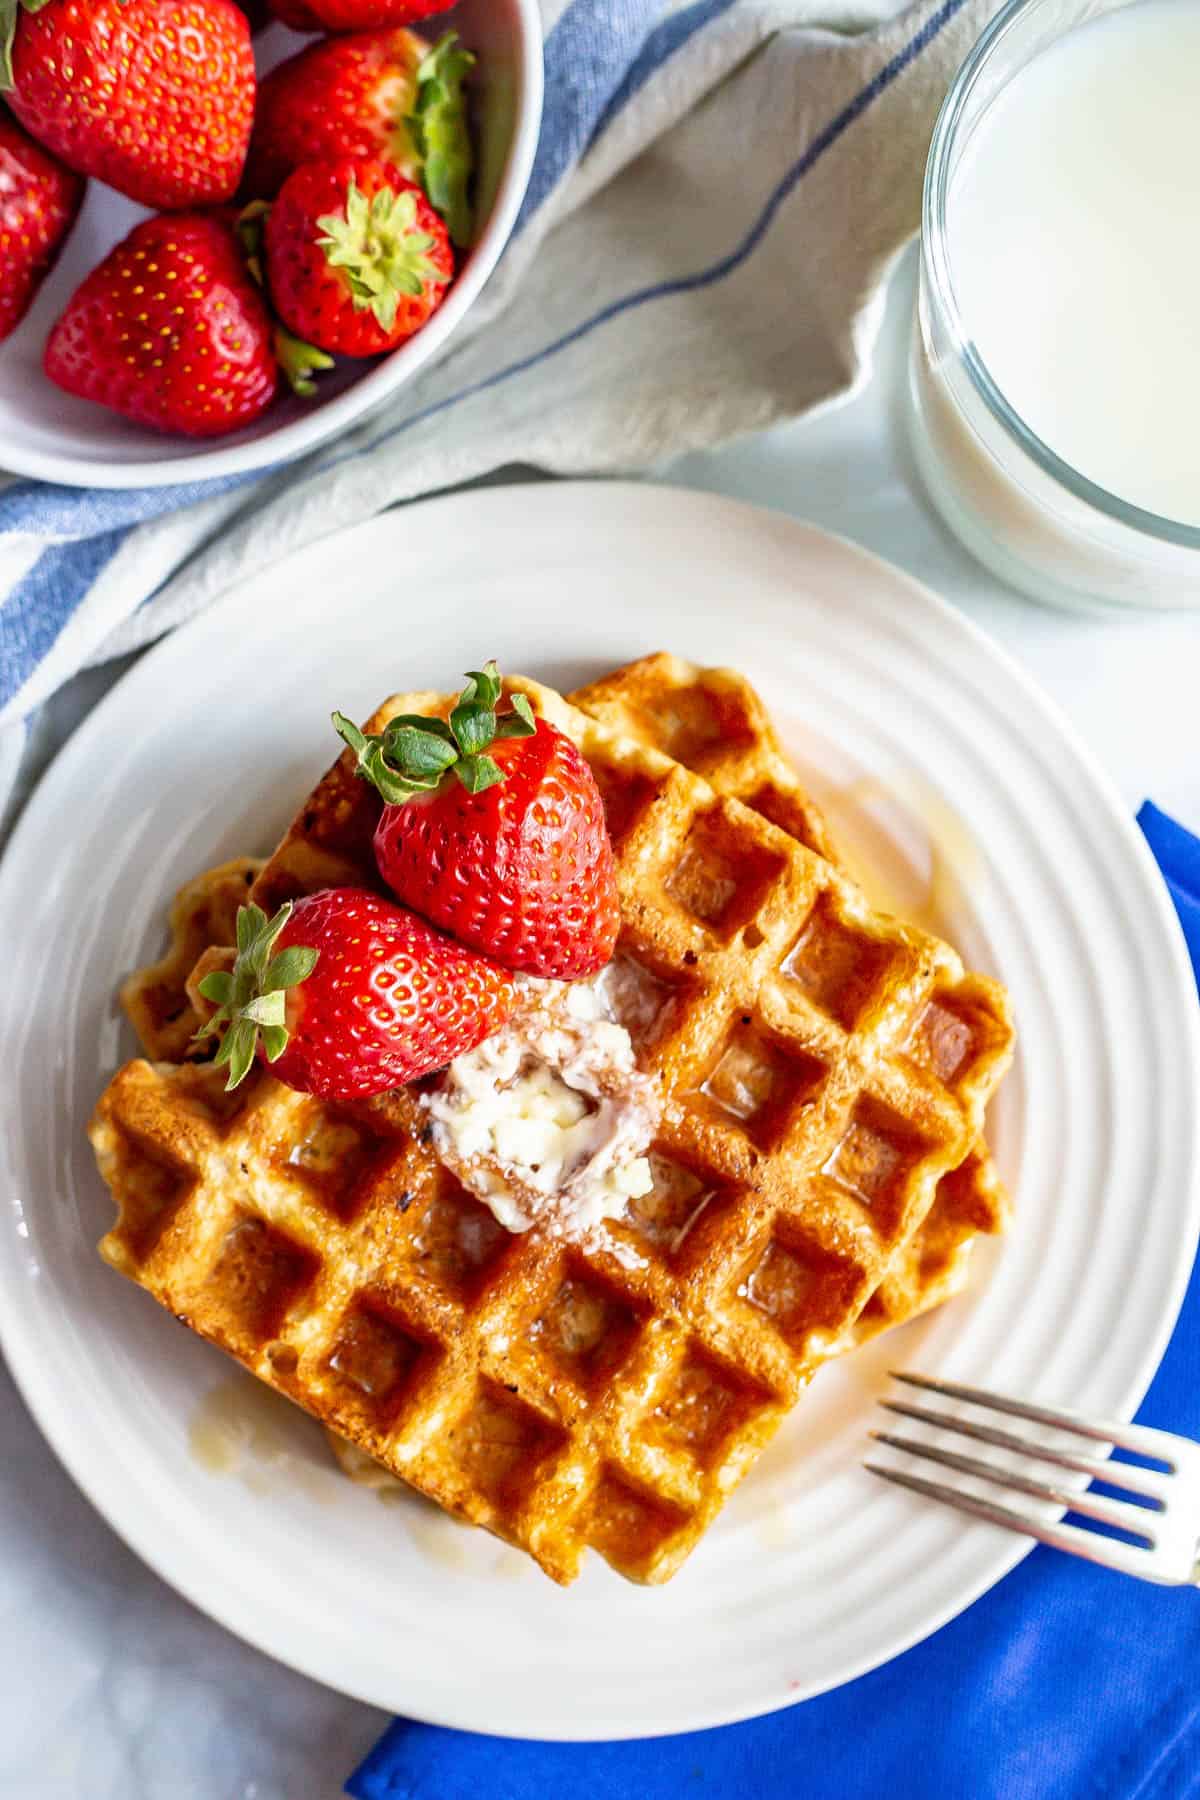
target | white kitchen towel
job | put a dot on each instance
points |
(719, 190)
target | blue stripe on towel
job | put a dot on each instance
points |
(602, 68)
(86, 528)
(586, 59)
(662, 44)
(685, 284)
(42, 604)
(63, 513)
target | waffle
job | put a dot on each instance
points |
(204, 912)
(568, 1398)
(929, 1270)
(713, 721)
(203, 917)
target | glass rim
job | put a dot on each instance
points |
(935, 256)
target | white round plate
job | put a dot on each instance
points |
(978, 807)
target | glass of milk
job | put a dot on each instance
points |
(1055, 373)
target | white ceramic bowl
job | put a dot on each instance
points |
(46, 433)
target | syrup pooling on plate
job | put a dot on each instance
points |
(241, 1428)
(957, 868)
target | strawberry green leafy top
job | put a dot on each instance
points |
(438, 126)
(413, 753)
(252, 997)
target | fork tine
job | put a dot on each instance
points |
(1109, 1552)
(1119, 1513)
(1138, 1438)
(1150, 1482)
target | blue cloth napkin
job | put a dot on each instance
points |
(1064, 1681)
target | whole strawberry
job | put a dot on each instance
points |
(170, 330)
(155, 97)
(355, 15)
(340, 96)
(39, 202)
(382, 94)
(351, 994)
(357, 259)
(493, 827)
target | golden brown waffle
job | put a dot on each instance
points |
(713, 721)
(970, 1202)
(202, 918)
(925, 1273)
(562, 1397)
(203, 912)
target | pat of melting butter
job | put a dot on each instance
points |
(548, 1121)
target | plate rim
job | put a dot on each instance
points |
(626, 497)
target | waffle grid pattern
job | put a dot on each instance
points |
(203, 912)
(714, 722)
(566, 1398)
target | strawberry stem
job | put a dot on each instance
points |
(251, 997)
(251, 228)
(413, 754)
(299, 361)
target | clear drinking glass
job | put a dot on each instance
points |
(1024, 512)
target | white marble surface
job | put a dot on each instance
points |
(113, 1688)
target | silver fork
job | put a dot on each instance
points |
(1163, 1521)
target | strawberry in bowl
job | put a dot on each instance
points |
(385, 94)
(355, 15)
(174, 328)
(39, 202)
(154, 97)
(338, 96)
(170, 330)
(493, 828)
(357, 260)
(346, 995)
(156, 139)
